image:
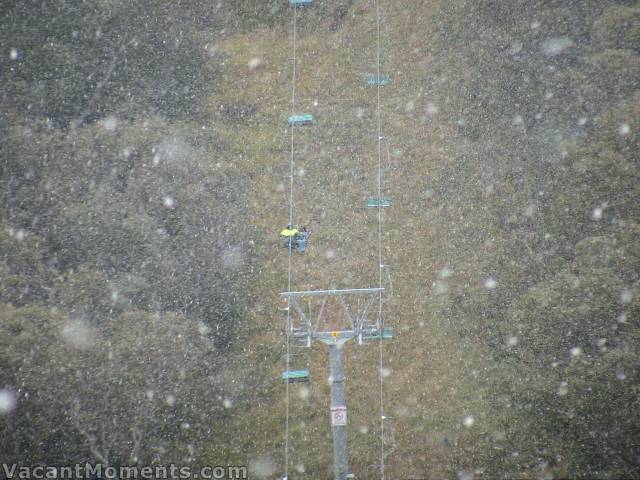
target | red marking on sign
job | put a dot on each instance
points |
(339, 416)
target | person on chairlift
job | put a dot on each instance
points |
(302, 238)
(295, 238)
(288, 236)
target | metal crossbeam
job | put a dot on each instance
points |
(308, 327)
(363, 315)
(346, 311)
(319, 319)
(323, 293)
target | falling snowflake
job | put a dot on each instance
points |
(597, 212)
(490, 283)
(303, 393)
(626, 296)
(255, 63)
(563, 389)
(78, 334)
(109, 123)
(624, 129)
(465, 475)
(440, 288)
(168, 201)
(262, 467)
(556, 46)
(446, 272)
(232, 258)
(7, 401)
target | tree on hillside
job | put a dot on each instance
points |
(546, 103)
(123, 233)
(138, 389)
(76, 62)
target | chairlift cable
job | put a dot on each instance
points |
(291, 162)
(380, 260)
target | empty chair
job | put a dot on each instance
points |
(375, 202)
(381, 80)
(387, 334)
(295, 376)
(301, 120)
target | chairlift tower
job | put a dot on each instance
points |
(307, 327)
(312, 326)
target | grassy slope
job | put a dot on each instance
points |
(336, 165)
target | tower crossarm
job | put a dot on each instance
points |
(309, 328)
(363, 315)
(305, 319)
(326, 293)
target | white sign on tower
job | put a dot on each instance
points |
(338, 416)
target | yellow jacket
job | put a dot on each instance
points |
(289, 232)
